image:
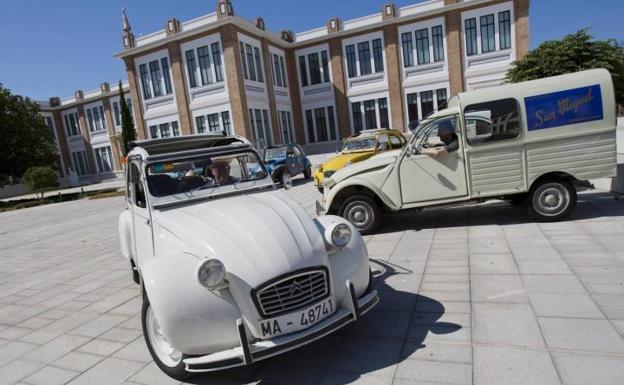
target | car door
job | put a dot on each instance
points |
(424, 178)
(299, 159)
(141, 221)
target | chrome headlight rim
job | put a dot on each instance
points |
(338, 235)
(211, 274)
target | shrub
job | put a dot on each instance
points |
(39, 179)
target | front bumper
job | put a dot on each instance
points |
(247, 353)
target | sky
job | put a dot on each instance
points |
(54, 47)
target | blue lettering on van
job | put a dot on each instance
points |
(564, 107)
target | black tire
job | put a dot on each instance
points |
(551, 200)
(135, 273)
(177, 372)
(307, 173)
(363, 212)
(286, 180)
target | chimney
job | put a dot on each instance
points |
(79, 95)
(224, 9)
(172, 26)
(105, 88)
(288, 35)
(55, 101)
(259, 23)
(334, 25)
(388, 11)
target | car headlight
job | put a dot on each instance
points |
(329, 183)
(320, 168)
(328, 173)
(338, 235)
(211, 274)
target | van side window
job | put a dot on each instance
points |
(492, 121)
(137, 183)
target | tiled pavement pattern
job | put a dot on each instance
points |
(475, 295)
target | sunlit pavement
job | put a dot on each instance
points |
(471, 295)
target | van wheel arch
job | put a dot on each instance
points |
(553, 175)
(354, 190)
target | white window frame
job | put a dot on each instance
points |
(314, 106)
(115, 99)
(253, 43)
(72, 111)
(194, 45)
(260, 106)
(495, 10)
(291, 128)
(104, 121)
(165, 119)
(305, 52)
(418, 89)
(212, 110)
(112, 158)
(369, 37)
(361, 99)
(412, 28)
(276, 51)
(158, 55)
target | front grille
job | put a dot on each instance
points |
(293, 292)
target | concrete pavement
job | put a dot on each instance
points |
(475, 295)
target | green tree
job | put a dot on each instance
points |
(575, 52)
(128, 134)
(40, 179)
(26, 140)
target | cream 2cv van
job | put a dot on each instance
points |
(535, 142)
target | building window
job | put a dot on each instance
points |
(260, 127)
(441, 98)
(471, 37)
(250, 62)
(204, 65)
(104, 159)
(426, 103)
(216, 59)
(95, 118)
(80, 162)
(504, 29)
(147, 93)
(438, 43)
(383, 113)
(378, 55)
(351, 65)
(488, 44)
(165, 130)
(158, 81)
(277, 74)
(408, 54)
(412, 110)
(281, 60)
(258, 65)
(286, 123)
(370, 118)
(325, 63)
(243, 61)
(116, 114)
(213, 122)
(321, 124)
(200, 124)
(315, 68)
(71, 124)
(227, 124)
(304, 72)
(364, 58)
(422, 46)
(175, 128)
(357, 116)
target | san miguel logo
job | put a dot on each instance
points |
(564, 107)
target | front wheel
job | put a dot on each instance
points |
(363, 212)
(286, 180)
(168, 359)
(551, 200)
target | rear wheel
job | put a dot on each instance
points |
(363, 212)
(168, 359)
(551, 200)
(307, 173)
(286, 180)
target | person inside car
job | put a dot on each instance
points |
(221, 171)
(450, 141)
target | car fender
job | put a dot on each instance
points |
(126, 237)
(331, 194)
(347, 263)
(194, 319)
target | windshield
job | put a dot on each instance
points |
(204, 173)
(274, 153)
(359, 144)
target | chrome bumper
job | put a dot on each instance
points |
(247, 353)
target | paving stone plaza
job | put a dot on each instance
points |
(474, 295)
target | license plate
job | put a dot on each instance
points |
(298, 320)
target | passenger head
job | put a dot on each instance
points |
(446, 131)
(221, 171)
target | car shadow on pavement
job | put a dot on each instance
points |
(393, 331)
(590, 205)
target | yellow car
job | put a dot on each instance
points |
(357, 148)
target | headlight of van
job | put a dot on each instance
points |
(211, 274)
(329, 183)
(338, 235)
(328, 173)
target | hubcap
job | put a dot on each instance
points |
(551, 199)
(359, 214)
(166, 353)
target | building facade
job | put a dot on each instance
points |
(87, 132)
(220, 72)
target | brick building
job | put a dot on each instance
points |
(220, 72)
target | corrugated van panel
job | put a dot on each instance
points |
(584, 157)
(496, 172)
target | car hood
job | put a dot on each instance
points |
(257, 236)
(338, 162)
(376, 162)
